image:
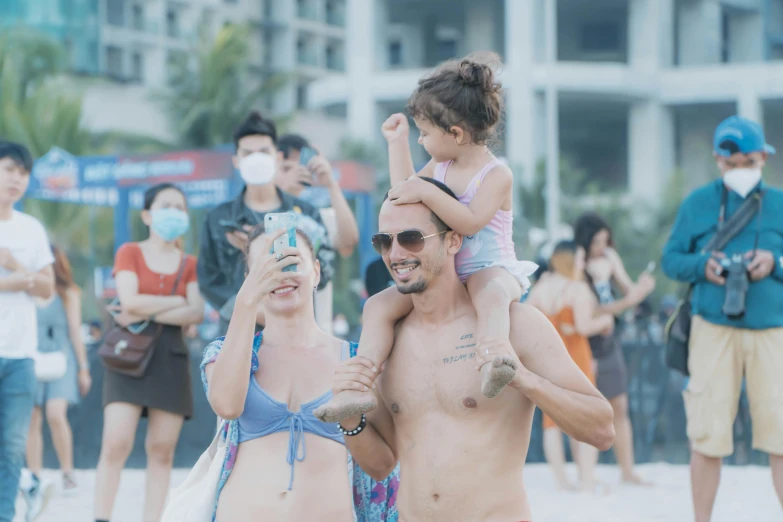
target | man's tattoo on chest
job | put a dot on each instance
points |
(467, 342)
(459, 358)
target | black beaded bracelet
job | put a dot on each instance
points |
(358, 429)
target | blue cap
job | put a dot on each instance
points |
(746, 134)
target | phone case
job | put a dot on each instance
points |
(287, 221)
(306, 154)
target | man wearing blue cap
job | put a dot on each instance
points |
(737, 306)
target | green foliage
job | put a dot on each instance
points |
(639, 230)
(34, 110)
(206, 100)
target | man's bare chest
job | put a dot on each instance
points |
(434, 371)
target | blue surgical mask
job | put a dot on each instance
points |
(170, 223)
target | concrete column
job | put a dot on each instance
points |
(284, 57)
(552, 125)
(699, 32)
(749, 106)
(360, 41)
(650, 150)
(520, 120)
(479, 27)
(650, 34)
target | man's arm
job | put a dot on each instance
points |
(42, 283)
(38, 284)
(15, 282)
(347, 236)
(678, 262)
(373, 448)
(553, 382)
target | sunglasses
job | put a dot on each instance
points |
(411, 240)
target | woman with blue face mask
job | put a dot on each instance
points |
(155, 281)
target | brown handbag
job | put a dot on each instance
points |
(130, 353)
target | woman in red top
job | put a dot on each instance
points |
(145, 274)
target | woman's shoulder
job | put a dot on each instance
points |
(130, 246)
(126, 257)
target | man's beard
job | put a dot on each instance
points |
(433, 268)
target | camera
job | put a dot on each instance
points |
(735, 271)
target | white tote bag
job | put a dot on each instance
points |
(50, 366)
(194, 500)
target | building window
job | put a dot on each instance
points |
(115, 12)
(334, 58)
(137, 62)
(445, 50)
(304, 54)
(600, 37)
(114, 66)
(137, 19)
(306, 10)
(172, 23)
(335, 12)
(395, 54)
(301, 97)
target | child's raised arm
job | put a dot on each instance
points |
(396, 130)
(469, 219)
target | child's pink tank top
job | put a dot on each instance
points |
(493, 245)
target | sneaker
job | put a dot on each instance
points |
(37, 498)
(70, 487)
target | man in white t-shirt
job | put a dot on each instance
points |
(25, 272)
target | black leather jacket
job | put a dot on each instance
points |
(221, 267)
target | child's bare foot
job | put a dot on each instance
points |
(496, 375)
(347, 403)
(635, 480)
(567, 486)
(597, 487)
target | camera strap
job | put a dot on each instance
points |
(738, 221)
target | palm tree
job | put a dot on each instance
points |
(204, 102)
(34, 110)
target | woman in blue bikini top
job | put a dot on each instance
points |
(281, 462)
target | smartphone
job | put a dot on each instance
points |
(287, 221)
(232, 226)
(306, 154)
(650, 267)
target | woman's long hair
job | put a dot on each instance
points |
(63, 274)
(585, 229)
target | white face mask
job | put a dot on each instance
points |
(258, 168)
(742, 181)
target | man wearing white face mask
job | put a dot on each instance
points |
(221, 264)
(737, 306)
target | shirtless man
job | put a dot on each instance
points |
(461, 455)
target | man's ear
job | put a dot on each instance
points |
(235, 161)
(453, 242)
